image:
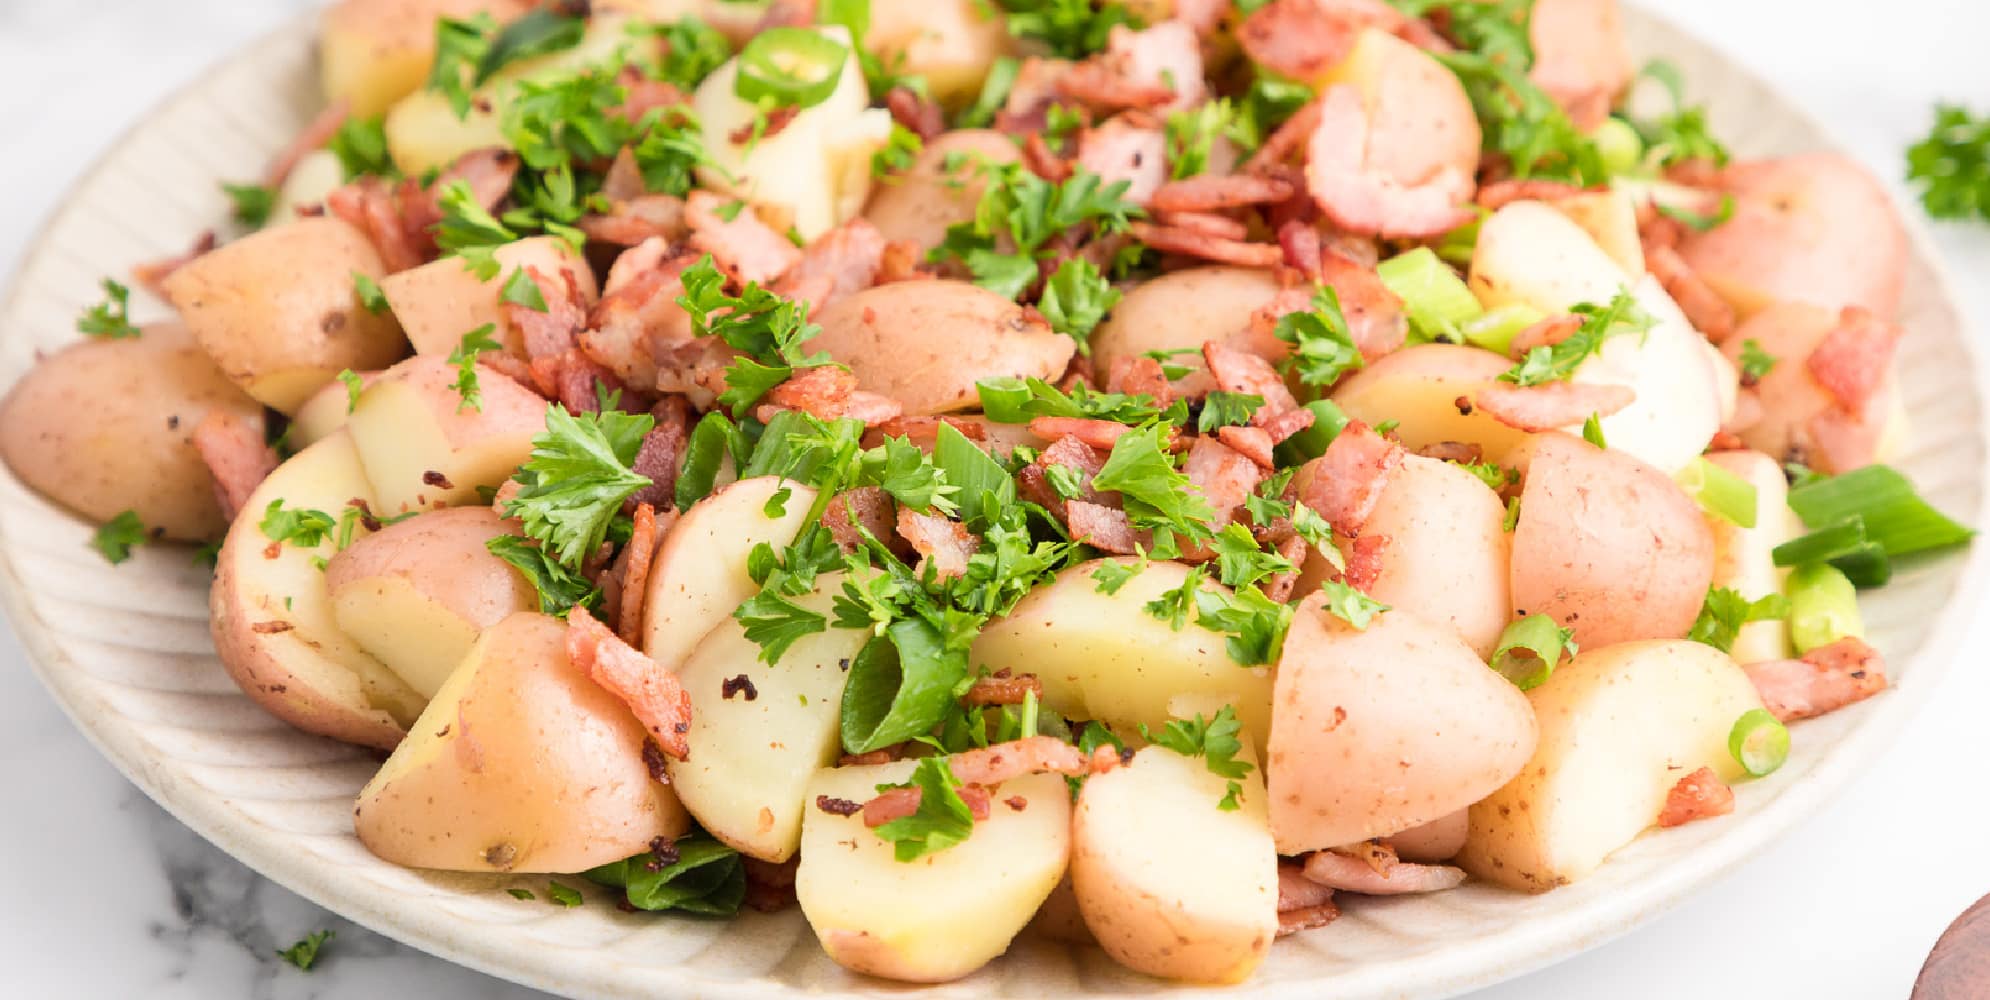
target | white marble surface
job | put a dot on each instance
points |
(108, 896)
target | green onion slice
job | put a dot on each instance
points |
(1896, 518)
(790, 67)
(1495, 330)
(1759, 743)
(1824, 607)
(1003, 398)
(1529, 649)
(1435, 297)
(1721, 492)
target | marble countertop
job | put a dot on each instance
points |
(109, 896)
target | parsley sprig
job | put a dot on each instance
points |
(1953, 165)
(1557, 362)
(942, 819)
(111, 318)
(1215, 741)
(576, 479)
(1020, 213)
(768, 329)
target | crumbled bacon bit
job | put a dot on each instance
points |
(744, 247)
(742, 685)
(1851, 362)
(663, 853)
(1823, 680)
(1704, 308)
(1279, 586)
(1104, 528)
(1550, 405)
(838, 807)
(766, 128)
(920, 115)
(1209, 223)
(233, 449)
(1287, 424)
(1190, 243)
(1501, 193)
(1545, 333)
(1243, 372)
(1033, 482)
(1348, 479)
(884, 756)
(819, 392)
(1002, 690)
(944, 544)
(1210, 192)
(653, 760)
(1139, 375)
(898, 803)
(1463, 452)
(271, 627)
(550, 331)
(1224, 476)
(637, 557)
(652, 693)
(661, 454)
(437, 480)
(1700, 795)
(1097, 433)
(868, 508)
(1016, 803)
(1251, 442)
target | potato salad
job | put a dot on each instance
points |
(1146, 474)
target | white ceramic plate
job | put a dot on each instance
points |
(126, 651)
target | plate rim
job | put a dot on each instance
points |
(1454, 971)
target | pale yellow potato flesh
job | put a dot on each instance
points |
(1611, 219)
(752, 758)
(1620, 725)
(698, 575)
(942, 916)
(316, 175)
(272, 619)
(440, 301)
(1102, 656)
(106, 426)
(326, 410)
(1743, 557)
(424, 448)
(372, 53)
(520, 764)
(415, 594)
(1381, 729)
(947, 43)
(1198, 903)
(278, 312)
(1419, 387)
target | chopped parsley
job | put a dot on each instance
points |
(1215, 741)
(304, 954)
(1755, 362)
(115, 537)
(302, 527)
(354, 385)
(371, 298)
(1227, 409)
(693, 49)
(1156, 495)
(361, 147)
(1075, 299)
(1592, 431)
(575, 481)
(464, 358)
(460, 47)
(1192, 135)
(469, 231)
(898, 151)
(1070, 29)
(1557, 362)
(1351, 605)
(1020, 213)
(111, 318)
(564, 895)
(250, 204)
(942, 819)
(1726, 611)
(1323, 347)
(520, 289)
(1952, 165)
(560, 589)
(769, 329)
(1681, 134)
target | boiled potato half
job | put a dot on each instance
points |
(1198, 904)
(520, 764)
(424, 447)
(278, 312)
(1182, 310)
(699, 574)
(922, 201)
(754, 752)
(1620, 725)
(440, 301)
(925, 343)
(1419, 387)
(106, 426)
(1102, 656)
(372, 53)
(272, 617)
(941, 916)
(1379, 729)
(416, 593)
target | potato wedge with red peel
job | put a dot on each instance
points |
(1380, 729)
(415, 594)
(1814, 228)
(1197, 904)
(1606, 545)
(1102, 656)
(757, 742)
(1743, 557)
(520, 764)
(1620, 725)
(1421, 387)
(949, 43)
(278, 312)
(943, 915)
(940, 189)
(272, 614)
(423, 448)
(1447, 556)
(1180, 310)
(440, 301)
(886, 335)
(699, 573)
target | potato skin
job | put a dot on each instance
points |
(1182, 309)
(1378, 730)
(521, 764)
(440, 301)
(919, 204)
(106, 426)
(1419, 387)
(925, 343)
(277, 309)
(1790, 395)
(1606, 545)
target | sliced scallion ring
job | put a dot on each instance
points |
(790, 67)
(1529, 649)
(1758, 742)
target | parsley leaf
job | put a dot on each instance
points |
(1019, 213)
(768, 328)
(693, 49)
(1174, 604)
(468, 231)
(1191, 136)
(576, 479)
(942, 819)
(560, 590)
(1156, 495)
(115, 537)
(1241, 561)
(361, 146)
(252, 203)
(1350, 605)
(371, 298)
(539, 32)
(110, 319)
(460, 47)
(1113, 574)
(522, 290)
(1227, 409)
(898, 151)
(1592, 430)
(1696, 221)
(1755, 362)
(464, 357)
(773, 622)
(1681, 134)
(564, 895)
(1255, 625)
(1726, 611)
(1953, 165)
(1071, 29)
(1041, 399)
(354, 385)
(302, 527)
(304, 953)
(706, 877)
(1557, 362)
(1075, 299)
(1215, 741)
(1323, 347)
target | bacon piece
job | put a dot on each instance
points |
(745, 248)
(367, 204)
(1348, 479)
(652, 693)
(1279, 586)
(868, 508)
(770, 887)
(1034, 483)
(1160, 68)
(841, 262)
(644, 537)
(1824, 680)
(1375, 316)
(1104, 528)
(1119, 150)
(315, 135)
(1699, 795)
(232, 448)
(1243, 372)
(1551, 404)
(1502, 193)
(1546, 333)
(576, 381)
(1704, 308)
(1303, 904)
(1251, 442)
(1209, 192)
(944, 544)
(1002, 690)
(1841, 441)
(487, 172)
(152, 275)
(642, 95)
(631, 221)
(551, 331)
(1207, 223)
(920, 115)
(903, 260)
(1224, 476)
(1851, 361)
(1364, 560)
(1364, 198)
(1139, 375)
(1287, 424)
(922, 432)
(1189, 243)
(1394, 878)
(898, 803)
(1463, 452)
(819, 392)
(990, 766)
(1097, 433)
(662, 453)
(1285, 140)
(1036, 88)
